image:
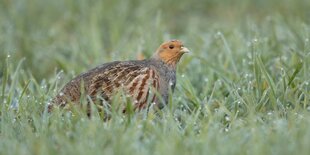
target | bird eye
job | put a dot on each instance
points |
(171, 46)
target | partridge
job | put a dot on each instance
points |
(135, 78)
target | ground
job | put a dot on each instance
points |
(244, 89)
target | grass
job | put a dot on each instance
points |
(244, 89)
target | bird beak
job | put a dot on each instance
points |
(184, 50)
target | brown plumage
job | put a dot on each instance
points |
(135, 78)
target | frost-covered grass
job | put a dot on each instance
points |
(244, 89)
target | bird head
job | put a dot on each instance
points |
(170, 52)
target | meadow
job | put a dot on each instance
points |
(243, 89)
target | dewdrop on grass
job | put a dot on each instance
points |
(206, 79)
(227, 118)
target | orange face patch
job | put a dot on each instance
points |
(170, 52)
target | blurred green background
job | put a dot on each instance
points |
(64, 34)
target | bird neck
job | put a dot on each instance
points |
(162, 63)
